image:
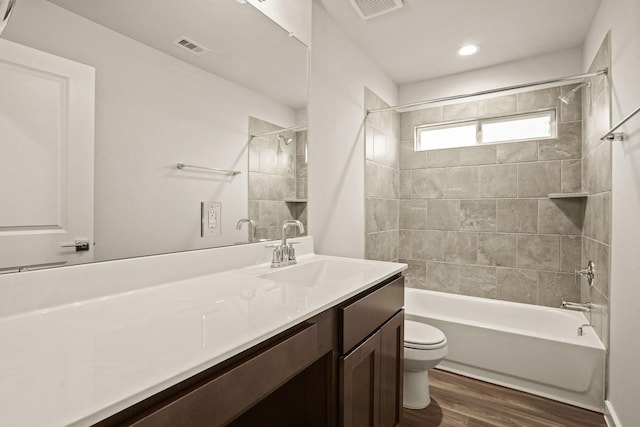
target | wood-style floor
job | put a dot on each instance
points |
(458, 401)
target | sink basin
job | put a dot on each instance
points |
(317, 272)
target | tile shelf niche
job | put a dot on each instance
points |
(296, 201)
(567, 195)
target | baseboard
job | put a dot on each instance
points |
(610, 415)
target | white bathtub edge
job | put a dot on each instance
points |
(494, 378)
(610, 416)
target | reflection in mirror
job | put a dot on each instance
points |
(169, 83)
(277, 177)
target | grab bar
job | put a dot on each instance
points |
(227, 171)
(612, 135)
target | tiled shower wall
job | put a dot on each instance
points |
(277, 179)
(478, 220)
(381, 181)
(596, 171)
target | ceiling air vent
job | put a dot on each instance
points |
(190, 45)
(368, 9)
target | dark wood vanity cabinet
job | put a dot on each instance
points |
(341, 367)
(370, 374)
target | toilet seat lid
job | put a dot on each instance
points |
(417, 333)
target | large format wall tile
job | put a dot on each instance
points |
(554, 287)
(416, 275)
(596, 181)
(428, 183)
(570, 253)
(597, 169)
(478, 215)
(478, 221)
(464, 156)
(443, 277)
(571, 173)
(497, 106)
(517, 215)
(404, 186)
(381, 181)
(517, 285)
(426, 245)
(443, 214)
(409, 158)
(497, 249)
(598, 253)
(383, 154)
(538, 179)
(461, 111)
(460, 247)
(573, 111)
(413, 214)
(461, 183)
(477, 281)
(537, 99)
(538, 252)
(597, 218)
(568, 144)
(517, 152)
(560, 216)
(497, 181)
(425, 116)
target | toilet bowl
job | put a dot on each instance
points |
(424, 347)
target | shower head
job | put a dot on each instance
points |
(569, 97)
(286, 141)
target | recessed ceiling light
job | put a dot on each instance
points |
(468, 49)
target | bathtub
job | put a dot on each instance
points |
(530, 348)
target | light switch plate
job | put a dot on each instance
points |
(211, 219)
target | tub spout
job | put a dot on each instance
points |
(581, 329)
(576, 306)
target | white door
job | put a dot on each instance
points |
(46, 158)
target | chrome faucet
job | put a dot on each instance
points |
(284, 254)
(252, 228)
(576, 306)
(588, 273)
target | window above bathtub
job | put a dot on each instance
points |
(518, 127)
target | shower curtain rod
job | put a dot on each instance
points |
(295, 128)
(490, 91)
(612, 135)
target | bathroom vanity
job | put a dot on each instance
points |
(231, 342)
(343, 365)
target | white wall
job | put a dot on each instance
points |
(621, 17)
(153, 111)
(339, 73)
(552, 65)
(292, 15)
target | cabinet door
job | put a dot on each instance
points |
(391, 371)
(360, 385)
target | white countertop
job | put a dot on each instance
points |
(78, 363)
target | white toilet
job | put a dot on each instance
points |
(424, 347)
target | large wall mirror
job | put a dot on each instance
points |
(102, 99)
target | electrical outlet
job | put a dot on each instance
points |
(211, 219)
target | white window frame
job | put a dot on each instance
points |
(551, 112)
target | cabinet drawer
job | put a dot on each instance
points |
(362, 317)
(223, 398)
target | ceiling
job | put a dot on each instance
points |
(419, 41)
(245, 46)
